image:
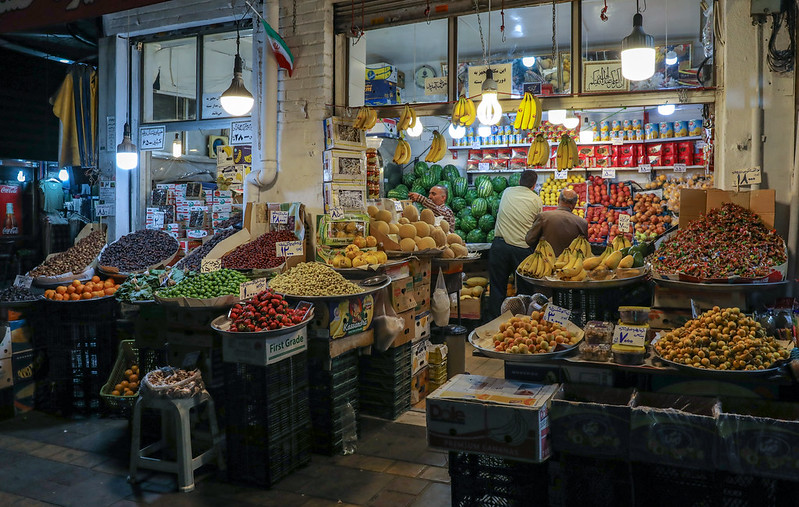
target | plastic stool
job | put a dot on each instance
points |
(185, 465)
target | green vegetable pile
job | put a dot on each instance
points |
(206, 285)
(142, 286)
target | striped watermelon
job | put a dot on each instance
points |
(429, 181)
(460, 186)
(490, 236)
(461, 233)
(408, 179)
(480, 178)
(499, 184)
(479, 207)
(486, 223)
(458, 203)
(470, 196)
(514, 179)
(475, 236)
(493, 204)
(448, 186)
(418, 188)
(465, 212)
(450, 172)
(435, 170)
(484, 188)
(419, 169)
(468, 224)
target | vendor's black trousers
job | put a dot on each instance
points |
(502, 262)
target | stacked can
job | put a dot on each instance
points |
(651, 131)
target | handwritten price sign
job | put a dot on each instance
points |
(279, 217)
(288, 248)
(151, 138)
(435, 85)
(483, 166)
(645, 168)
(624, 223)
(679, 168)
(562, 175)
(23, 281)
(336, 212)
(247, 290)
(608, 173)
(557, 314)
(630, 335)
(210, 265)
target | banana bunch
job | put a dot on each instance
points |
(620, 242)
(464, 112)
(596, 266)
(528, 117)
(540, 263)
(567, 153)
(581, 244)
(538, 154)
(437, 149)
(402, 154)
(366, 119)
(408, 118)
(569, 266)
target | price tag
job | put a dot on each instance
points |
(562, 175)
(475, 145)
(210, 265)
(645, 168)
(608, 173)
(158, 220)
(699, 145)
(336, 212)
(557, 314)
(398, 206)
(617, 141)
(483, 166)
(104, 210)
(288, 248)
(247, 290)
(23, 281)
(749, 176)
(679, 168)
(279, 217)
(625, 334)
(624, 222)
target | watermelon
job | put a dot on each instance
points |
(435, 170)
(480, 178)
(457, 222)
(402, 188)
(484, 188)
(493, 203)
(465, 212)
(429, 180)
(499, 183)
(446, 184)
(461, 233)
(408, 179)
(460, 186)
(479, 207)
(395, 194)
(470, 196)
(418, 188)
(486, 223)
(458, 203)
(490, 236)
(468, 223)
(475, 236)
(419, 169)
(514, 179)
(450, 172)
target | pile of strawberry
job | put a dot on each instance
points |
(265, 312)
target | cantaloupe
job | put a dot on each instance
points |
(381, 226)
(407, 245)
(372, 210)
(422, 229)
(448, 253)
(407, 231)
(427, 217)
(459, 250)
(444, 226)
(393, 228)
(439, 236)
(383, 215)
(454, 239)
(403, 220)
(425, 243)
(411, 213)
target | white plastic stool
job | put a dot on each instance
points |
(185, 465)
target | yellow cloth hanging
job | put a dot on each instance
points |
(64, 109)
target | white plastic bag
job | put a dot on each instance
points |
(440, 302)
(168, 382)
(387, 325)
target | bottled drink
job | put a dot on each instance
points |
(350, 430)
(10, 225)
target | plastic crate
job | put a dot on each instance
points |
(604, 481)
(748, 491)
(126, 357)
(265, 462)
(477, 479)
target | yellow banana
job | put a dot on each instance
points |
(403, 122)
(532, 106)
(574, 152)
(527, 112)
(471, 113)
(408, 153)
(413, 117)
(398, 152)
(575, 267)
(456, 112)
(626, 262)
(608, 250)
(523, 265)
(517, 123)
(612, 260)
(538, 113)
(579, 277)
(591, 263)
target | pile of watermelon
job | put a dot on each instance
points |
(475, 208)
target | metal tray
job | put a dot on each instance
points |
(81, 300)
(716, 287)
(221, 325)
(471, 257)
(523, 358)
(773, 372)
(586, 284)
(225, 301)
(366, 292)
(429, 252)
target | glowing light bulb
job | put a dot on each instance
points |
(556, 116)
(177, 146)
(416, 129)
(638, 52)
(127, 155)
(671, 57)
(528, 61)
(586, 136)
(571, 121)
(63, 175)
(21, 177)
(456, 131)
(483, 131)
(489, 111)
(666, 109)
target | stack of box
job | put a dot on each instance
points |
(334, 384)
(436, 366)
(344, 163)
(383, 83)
(386, 382)
(421, 273)
(6, 374)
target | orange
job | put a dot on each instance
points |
(134, 385)
(74, 297)
(115, 393)
(70, 289)
(59, 297)
(109, 290)
(49, 293)
(61, 289)
(95, 279)
(75, 283)
(98, 294)
(133, 378)
(135, 369)
(86, 295)
(118, 387)
(128, 373)
(89, 286)
(125, 384)
(108, 283)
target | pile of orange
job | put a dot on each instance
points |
(130, 385)
(96, 288)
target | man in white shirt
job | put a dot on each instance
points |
(518, 210)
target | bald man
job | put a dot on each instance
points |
(436, 202)
(559, 226)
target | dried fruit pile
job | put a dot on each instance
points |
(17, 294)
(139, 250)
(258, 254)
(74, 260)
(721, 339)
(729, 241)
(193, 261)
(532, 335)
(266, 311)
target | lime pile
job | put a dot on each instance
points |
(206, 285)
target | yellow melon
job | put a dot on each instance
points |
(383, 215)
(425, 243)
(411, 213)
(422, 229)
(372, 210)
(439, 236)
(407, 245)
(381, 226)
(427, 217)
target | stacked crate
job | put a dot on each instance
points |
(334, 384)
(421, 272)
(436, 366)
(386, 382)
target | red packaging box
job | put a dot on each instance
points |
(586, 152)
(668, 160)
(615, 161)
(685, 158)
(655, 160)
(475, 155)
(669, 149)
(602, 162)
(654, 149)
(627, 150)
(685, 147)
(615, 151)
(626, 161)
(504, 154)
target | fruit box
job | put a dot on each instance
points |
(419, 387)
(408, 329)
(342, 317)
(349, 196)
(695, 202)
(402, 294)
(759, 438)
(484, 415)
(671, 429)
(340, 133)
(342, 166)
(341, 231)
(591, 421)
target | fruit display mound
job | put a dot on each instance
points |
(729, 242)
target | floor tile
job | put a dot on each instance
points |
(46, 451)
(375, 463)
(67, 455)
(337, 483)
(408, 485)
(406, 469)
(435, 494)
(436, 459)
(321, 502)
(272, 497)
(438, 474)
(391, 499)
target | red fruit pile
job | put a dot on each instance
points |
(266, 311)
(598, 191)
(620, 195)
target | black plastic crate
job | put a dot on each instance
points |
(386, 410)
(319, 357)
(664, 485)
(477, 479)
(386, 397)
(748, 491)
(272, 381)
(591, 481)
(265, 462)
(388, 384)
(333, 377)
(151, 359)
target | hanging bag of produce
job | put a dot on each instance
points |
(440, 301)
(387, 325)
(168, 382)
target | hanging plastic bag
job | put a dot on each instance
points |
(387, 325)
(440, 302)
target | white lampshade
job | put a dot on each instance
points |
(528, 61)
(456, 131)
(63, 175)
(570, 121)
(489, 111)
(416, 129)
(666, 109)
(21, 177)
(556, 116)
(127, 154)
(237, 100)
(484, 131)
(177, 146)
(638, 53)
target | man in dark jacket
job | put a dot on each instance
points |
(559, 226)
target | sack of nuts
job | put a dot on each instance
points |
(168, 382)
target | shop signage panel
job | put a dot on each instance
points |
(435, 85)
(604, 76)
(502, 75)
(241, 133)
(151, 138)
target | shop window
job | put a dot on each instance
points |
(219, 51)
(525, 53)
(682, 26)
(400, 64)
(169, 81)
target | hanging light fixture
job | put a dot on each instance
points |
(416, 129)
(556, 116)
(671, 57)
(666, 109)
(483, 131)
(570, 121)
(489, 111)
(127, 154)
(528, 61)
(456, 131)
(638, 51)
(63, 175)
(21, 177)
(237, 100)
(177, 146)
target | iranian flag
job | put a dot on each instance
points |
(285, 60)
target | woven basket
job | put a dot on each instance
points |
(126, 357)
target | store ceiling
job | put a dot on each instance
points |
(74, 42)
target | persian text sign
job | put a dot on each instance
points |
(502, 75)
(604, 77)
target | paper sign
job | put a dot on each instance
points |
(742, 177)
(336, 212)
(617, 141)
(211, 107)
(502, 75)
(557, 314)
(435, 85)
(151, 138)
(279, 217)
(210, 265)
(604, 76)
(624, 222)
(645, 168)
(110, 132)
(398, 206)
(562, 175)
(248, 290)
(608, 173)
(240, 133)
(23, 281)
(679, 168)
(483, 166)
(158, 220)
(108, 191)
(288, 248)
(630, 335)
(104, 210)
(475, 145)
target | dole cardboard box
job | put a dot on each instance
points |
(485, 415)
(423, 321)
(694, 202)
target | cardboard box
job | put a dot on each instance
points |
(347, 196)
(470, 308)
(7, 373)
(421, 271)
(419, 356)
(264, 351)
(491, 416)
(676, 430)
(343, 317)
(331, 349)
(5, 340)
(419, 387)
(421, 293)
(694, 202)
(340, 133)
(423, 321)
(380, 92)
(591, 421)
(402, 294)
(409, 329)
(399, 270)
(382, 70)
(344, 166)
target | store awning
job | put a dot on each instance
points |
(16, 15)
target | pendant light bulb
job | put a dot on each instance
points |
(416, 129)
(127, 155)
(671, 57)
(528, 61)
(638, 52)
(666, 109)
(556, 116)
(489, 111)
(237, 100)
(483, 131)
(177, 146)
(21, 177)
(586, 136)
(571, 121)
(456, 131)
(63, 175)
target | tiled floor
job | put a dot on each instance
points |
(47, 460)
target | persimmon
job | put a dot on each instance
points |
(70, 289)
(86, 295)
(74, 297)
(75, 283)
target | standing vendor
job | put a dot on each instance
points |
(435, 202)
(559, 226)
(518, 209)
